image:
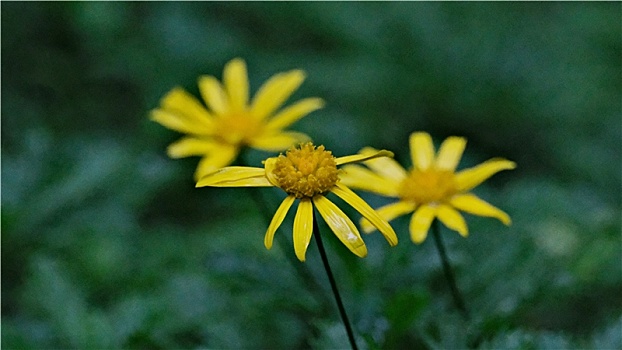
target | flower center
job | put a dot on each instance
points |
(306, 171)
(429, 186)
(238, 128)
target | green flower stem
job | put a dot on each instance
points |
(333, 284)
(449, 273)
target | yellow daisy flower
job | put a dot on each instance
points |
(308, 173)
(230, 122)
(432, 189)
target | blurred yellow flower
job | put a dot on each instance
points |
(217, 134)
(432, 189)
(308, 173)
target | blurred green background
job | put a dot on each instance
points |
(107, 244)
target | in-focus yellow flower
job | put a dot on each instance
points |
(230, 122)
(308, 173)
(432, 189)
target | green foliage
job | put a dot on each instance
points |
(107, 244)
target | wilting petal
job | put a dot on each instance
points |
(191, 146)
(384, 166)
(472, 204)
(449, 153)
(470, 178)
(362, 157)
(235, 78)
(389, 212)
(274, 92)
(278, 141)
(421, 150)
(420, 223)
(303, 228)
(220, 157)
(213, 94)
(452, 219)
(370, 214)
(235, 176)
(293, 113)
(277, 220)
(341, 225)
(357, 177)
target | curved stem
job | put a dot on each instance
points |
(333, 284)
(449, 273)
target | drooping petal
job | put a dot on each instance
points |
(362, 157)
(235, 79)
(191, 146)
(213, 94)
(277, 220)
(452, 219)
(449, 153)
(274, 92)
(384, 166)
(341, 225)
(278, 141)
(303, 227)
(420, 223)
(220, 157)
(472, 204)
(293, 113)
(370, 214)
(235, 176)
(357, 177)
(421, 150)
(470, 178)
(389, 212)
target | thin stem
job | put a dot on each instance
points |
(333, 284)
(449, 273)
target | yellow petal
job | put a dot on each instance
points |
(452, 219)
(472, 204)
(341, 225)
(235, 78)
(386, 167)
(303, 228)
(213, 94)
(181, 122)
(220, 157)
(362, 157)
(420, 223)
(179, 102)
(421, 150)
(470, 178)
(274, 92)
(357, 177)
(191, 146)
(278, 141)
(388, 213)
(269, 165)
(293, 113)
(235, 176)
(277, 220)
(370, 214)
(449, 153)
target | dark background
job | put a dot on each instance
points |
(107, 244)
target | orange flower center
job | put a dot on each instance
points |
(306, 171)
(428, 186)
(238, 128)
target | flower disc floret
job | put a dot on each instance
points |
(306, 171)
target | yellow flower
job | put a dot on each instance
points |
(432, 189)
(308, 173)
(217, 134)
